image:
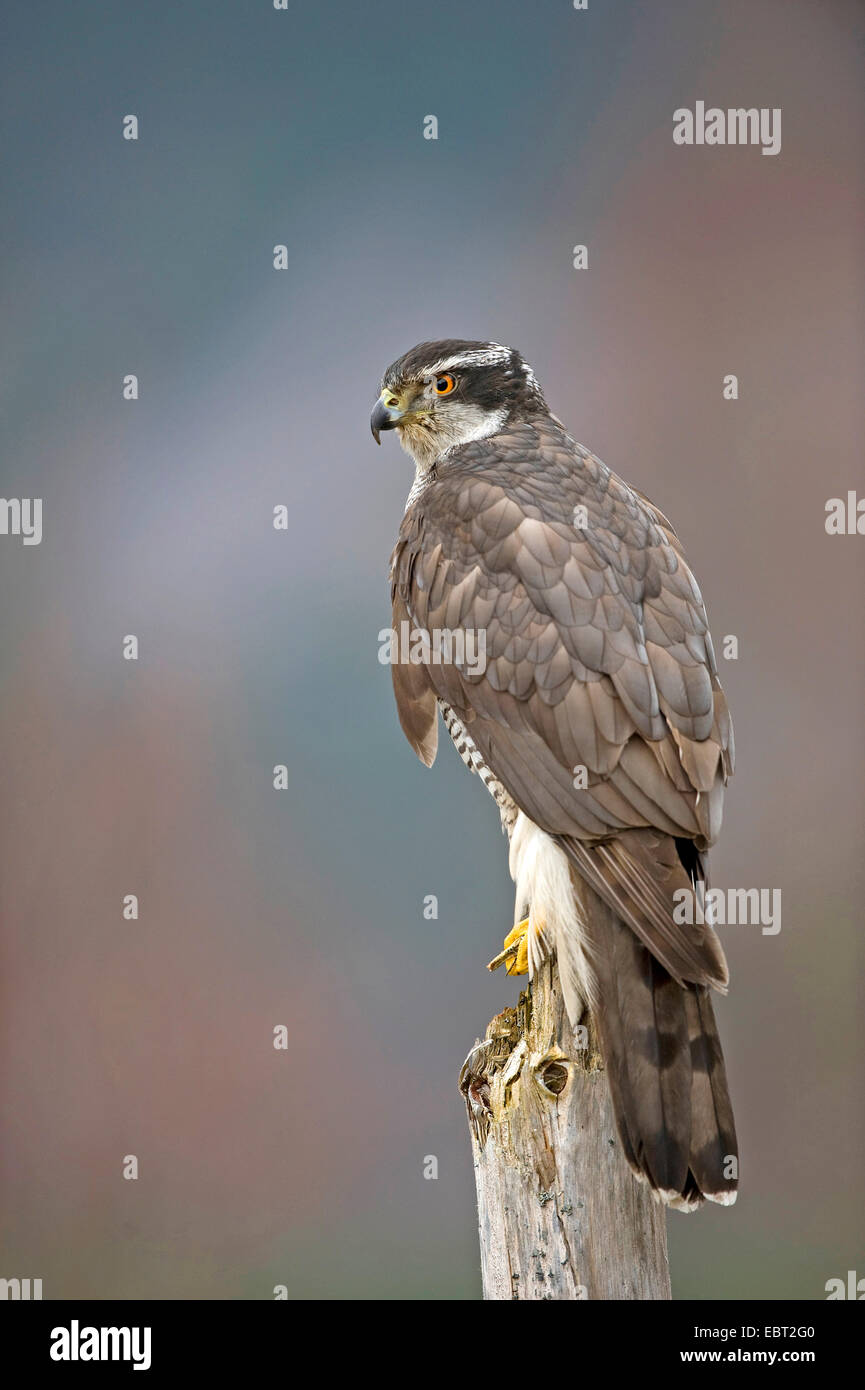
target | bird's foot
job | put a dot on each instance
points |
(515, 956)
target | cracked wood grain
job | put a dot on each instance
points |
(560, 1214)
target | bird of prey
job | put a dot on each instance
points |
(597, 722)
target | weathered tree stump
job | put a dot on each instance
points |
(560, 1214)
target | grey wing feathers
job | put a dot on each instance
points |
(599, 663)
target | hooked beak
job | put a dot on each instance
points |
(386, 415)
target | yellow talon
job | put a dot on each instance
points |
(515, 956)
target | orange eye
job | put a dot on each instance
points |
(444, 384)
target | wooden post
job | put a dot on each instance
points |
(560, 1213)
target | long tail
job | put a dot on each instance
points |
(664, 1064)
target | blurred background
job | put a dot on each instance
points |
(258, 647)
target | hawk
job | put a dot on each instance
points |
(597, 722)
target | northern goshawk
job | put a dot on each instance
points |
(597, 722)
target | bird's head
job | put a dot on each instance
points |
(443, 394)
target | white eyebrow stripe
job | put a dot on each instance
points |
(481, 357)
